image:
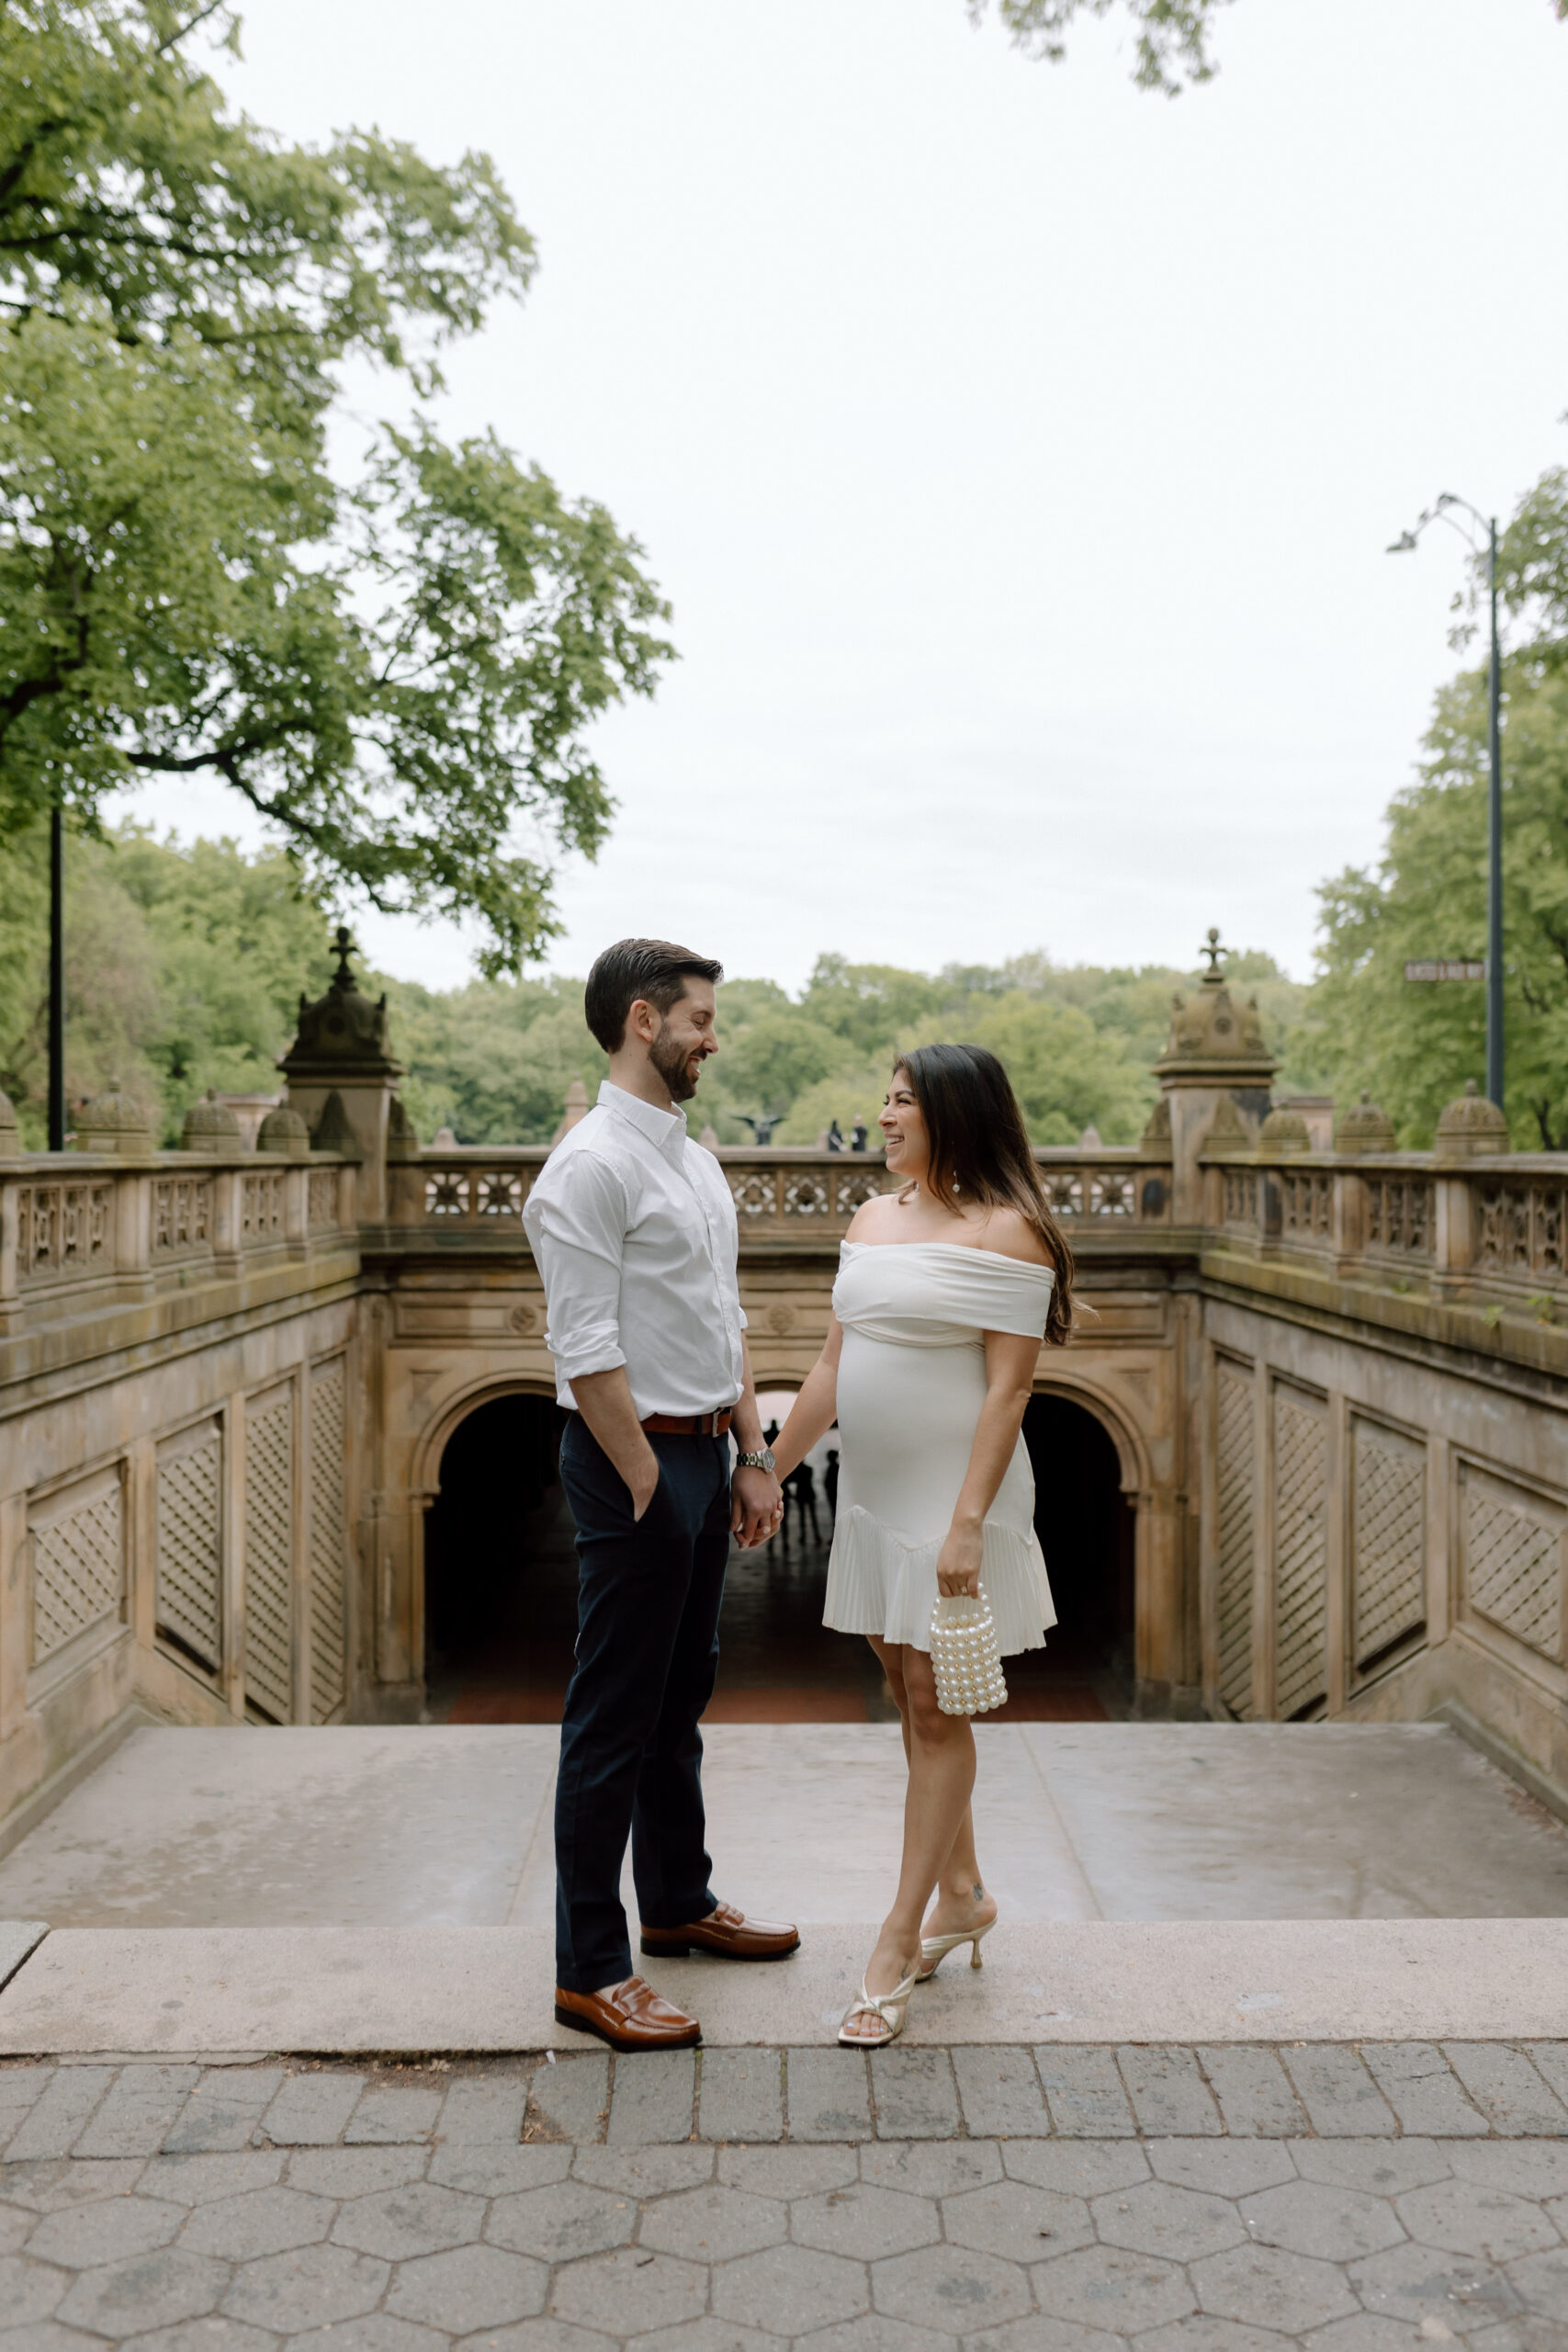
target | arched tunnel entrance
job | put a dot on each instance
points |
(501, 1584)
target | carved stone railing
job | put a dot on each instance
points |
(1487, 1226)
(74, 1225)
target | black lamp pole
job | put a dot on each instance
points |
(56, 979)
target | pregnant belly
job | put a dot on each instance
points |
(906, 1419)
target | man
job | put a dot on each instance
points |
(633, 1229)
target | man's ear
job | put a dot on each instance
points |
(643, 1019)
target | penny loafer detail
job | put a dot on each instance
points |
(726, 1933)
(628, 2016)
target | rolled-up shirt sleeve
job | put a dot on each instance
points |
(577, 1227)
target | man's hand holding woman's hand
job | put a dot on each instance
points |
(756, 1508)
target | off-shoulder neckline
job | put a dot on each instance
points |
(961, 1249)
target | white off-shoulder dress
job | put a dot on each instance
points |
(911, 1383)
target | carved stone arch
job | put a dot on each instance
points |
(425, 1481)
(1131, 1447)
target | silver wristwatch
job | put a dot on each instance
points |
(763, 1461)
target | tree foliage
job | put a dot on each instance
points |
(1172, 35)
(398, 673)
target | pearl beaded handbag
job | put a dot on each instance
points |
(965, 1660)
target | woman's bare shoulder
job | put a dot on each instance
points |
(1010, 1234)
(874, 1220)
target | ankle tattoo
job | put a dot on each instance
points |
(979, 1891)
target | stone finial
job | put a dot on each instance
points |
(284, 1132)
(1227, 1130)
(710, 1139)
(1156, 1141)
(576, 1108)
(443, 1140)
(1472, 1126)
(402, 1142)
(1365, 1128)
(342, 1031)
(1284, 1131)
(113, 1120)
(334, 1130)
(1091, 1139)
(210, 1125)
(1212, 1033)
(9, 1145)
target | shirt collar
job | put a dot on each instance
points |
(661, 1127)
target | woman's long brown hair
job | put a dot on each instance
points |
(979, 1151)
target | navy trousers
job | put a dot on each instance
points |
(648, 1601)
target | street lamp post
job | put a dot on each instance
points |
(1438, 513)
(56, 979)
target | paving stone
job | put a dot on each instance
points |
(261, 2220)
(1112, 2288)
(311, 2111)
(967, 2288)
(712, 2224)
(707, 2335)
(15, 2225)
(1542, 2281)
(149, 2291)
(571, 2096)
(1462, 2217)
(1084, 2093)
(562, 2222)
(1254, 2095)
(1418, 2282)
(1223, 2167)
(651, 2099)
(1077, 2167)
(1041, 2334)
(1550, 2060)
(1204, 2333)
(200, 2180)
(1339, 2096)
(1370, 2332)
(499, 2172)
(647, 2172)
(1161, 2218)
(1423, 2089)
(1335, 2223)
(56, 2120)
(788, 2171)
(1528, 2167)
(536, 2336)
(1513, 2097)
(420, 2218)
(29, 2290)
(471, 2286)
(932, 2167)
(630, 2293)
(211, 2334)
(224, 2110)
(1264, 2285)
(356, 2172)
(20, 2087)
(1168, 2091)
(308, 2286)
(46, 2185)
(1383, 2167)
(913, 2094)
(741, 2095)
(875, 2332)
(1017, 2221)
(139, 2108)
(86, 2236)
(1000, 2092)
(1531, 2332)
(791, 2290)
(47, 2335)
(865, 2222)
(376, 2332)
(829, 2093)
(392, 2114)
(484, 2111)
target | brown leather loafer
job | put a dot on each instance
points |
(628, 2016)
(726, 1933)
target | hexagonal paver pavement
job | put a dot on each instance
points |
(1416, 2282)
(419, 2217)
(712, 2224)
(1111, 2286)
(469, 2287)
(29, 2290)
(875, 2332)
(1464, 2218)
(151, 2291)
(966, 2289)
(1310, 2217)
(1160, 2218)
(562, 2222)
(864, 2221)
(1262, 2286)
(306, 2288)
(628, 2293)
(1222, 2167)
(1542, 2280)
(791, 2290)
(1020, 2223)
(261, 2220)
(84, 2236)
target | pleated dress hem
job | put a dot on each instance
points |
(880, 1583)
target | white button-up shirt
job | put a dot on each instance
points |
(633, 1229)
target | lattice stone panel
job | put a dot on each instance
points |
(1513, 1560)
(78, 1561)
(328, 1595)
(1388, 1540)
(269, 1553)
(1237, 1545)
(1301, 1559)
(190, 1542)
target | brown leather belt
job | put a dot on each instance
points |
(691, 1424)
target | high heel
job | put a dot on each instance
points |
(935, 1949)
(890, 2006)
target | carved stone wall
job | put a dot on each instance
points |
(189, 1538)
(1236, 1505)
(1301, 1559)
(1388, 1542)
(269, 1553)
(329, 1550)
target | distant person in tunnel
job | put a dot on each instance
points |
(635, 1232)
(945, 1291)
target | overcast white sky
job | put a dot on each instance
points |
(1019, 449)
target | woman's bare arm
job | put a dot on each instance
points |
(815, 1408)
(1009, 1381)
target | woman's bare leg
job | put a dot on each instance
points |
(961, 1897)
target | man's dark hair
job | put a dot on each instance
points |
(655, 969)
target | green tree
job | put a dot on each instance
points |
(1172, 34)
(398, 673)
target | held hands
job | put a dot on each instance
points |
(958, 1562)
(756, 1508)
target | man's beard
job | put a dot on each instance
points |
(669, 1060)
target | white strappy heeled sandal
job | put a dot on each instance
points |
(935, 1949)
(888, 2006)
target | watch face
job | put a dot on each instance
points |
(767, 1457)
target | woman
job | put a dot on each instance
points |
(945, 1290)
